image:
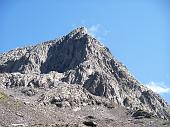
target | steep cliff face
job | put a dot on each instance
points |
(87, 68)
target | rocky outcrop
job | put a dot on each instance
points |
(75, 70)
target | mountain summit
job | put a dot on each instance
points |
(75, 71)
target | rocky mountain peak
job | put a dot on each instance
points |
(55, 55)
(78, 31)
(76, 62)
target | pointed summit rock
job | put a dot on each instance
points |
(85, 66)
(78, 32)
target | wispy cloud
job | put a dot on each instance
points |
(158, 87)
(94, 29)
(98, 31)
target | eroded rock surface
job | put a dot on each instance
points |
(75, 71)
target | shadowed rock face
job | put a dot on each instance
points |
(66, 55)
(76, 59)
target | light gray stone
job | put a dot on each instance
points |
(75, 70)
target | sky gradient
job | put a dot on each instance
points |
(136, 31)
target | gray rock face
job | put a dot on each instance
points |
(75, 70)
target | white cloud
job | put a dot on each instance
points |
(98, 32)
(94, 29)
(158, 87)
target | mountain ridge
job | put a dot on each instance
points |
(75, 70)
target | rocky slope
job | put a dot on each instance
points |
(75, 71)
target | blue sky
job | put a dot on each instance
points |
(136, 31)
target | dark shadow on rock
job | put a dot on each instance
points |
(14, 65)
(66, 55)
(96, 84)
(90, 123)
(141, 114)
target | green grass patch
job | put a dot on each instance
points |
(2, 95)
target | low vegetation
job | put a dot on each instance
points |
(2, 95)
